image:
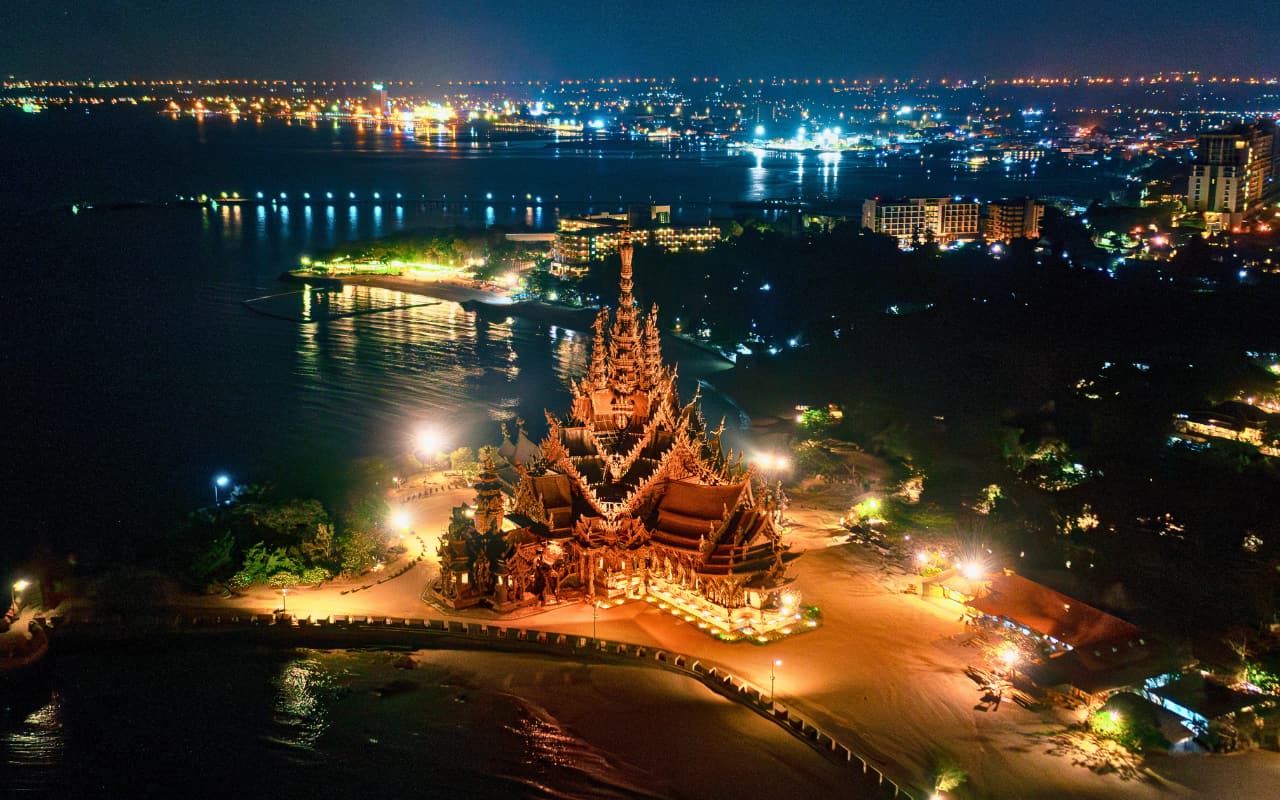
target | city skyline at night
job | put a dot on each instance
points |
(639, 400)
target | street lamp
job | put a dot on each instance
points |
(284, 599)
(595, 610)
(219, 482)
(777, 662)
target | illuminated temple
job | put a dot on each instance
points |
(628, 496)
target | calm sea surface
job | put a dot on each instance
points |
(221, 722)
(133, 371)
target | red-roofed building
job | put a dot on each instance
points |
(1086, 650)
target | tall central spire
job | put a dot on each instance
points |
(625, 335)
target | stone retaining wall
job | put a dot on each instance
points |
(343, 631)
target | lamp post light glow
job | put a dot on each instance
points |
(428, 443)
(219, 482)
(773, 665)
(284, 599)
(1009, 657)
(772, 462)
(18, 588)
(400, 520)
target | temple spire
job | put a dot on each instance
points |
(489, 500)
(625, 336)
(652, 348)
(598, 375)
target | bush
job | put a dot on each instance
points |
(314, 576)
(1132, 732)
(284, 579)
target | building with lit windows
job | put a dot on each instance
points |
(917, 219)
(1234, 169)
(582, 240)
(1014, 219)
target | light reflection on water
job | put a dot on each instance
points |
(38, 739)
(303, 689)
(396, 357)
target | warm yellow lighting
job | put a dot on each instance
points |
(428, 442)
(401, 520)
(21, 585)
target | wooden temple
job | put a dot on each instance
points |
(628, 495)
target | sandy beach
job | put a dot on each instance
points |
(678, 736)
(441, 290)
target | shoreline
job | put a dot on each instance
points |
(480, 301)
(435, 638)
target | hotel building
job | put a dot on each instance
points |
(582, 240)
(915, 219)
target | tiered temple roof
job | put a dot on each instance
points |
(631, 469)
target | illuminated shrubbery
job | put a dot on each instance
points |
(1131, 729)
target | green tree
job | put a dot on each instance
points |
(260, 563)
(214, 558)
(816, 422)
(293, 520)
(321, 547)
(463, 459)
(365, 512)
(359, 551)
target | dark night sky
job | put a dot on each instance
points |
(435, 41)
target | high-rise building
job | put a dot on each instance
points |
(1234, 169)
(916, 219)
(1014, 219)
(377, 99)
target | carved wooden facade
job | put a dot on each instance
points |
(632, 488)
